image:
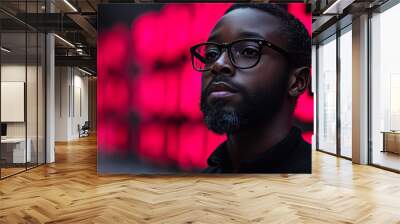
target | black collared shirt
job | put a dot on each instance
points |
(291, 155)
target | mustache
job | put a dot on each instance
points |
(220, 78)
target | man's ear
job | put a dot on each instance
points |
(298, 81)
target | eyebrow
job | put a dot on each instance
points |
(242, 34)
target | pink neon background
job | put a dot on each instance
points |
(144, 71)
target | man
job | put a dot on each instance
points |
(255, 64)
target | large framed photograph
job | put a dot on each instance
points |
(204, 88)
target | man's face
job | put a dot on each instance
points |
(235, 99)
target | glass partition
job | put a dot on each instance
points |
(22, 77)
(14, 153)
(327, 95)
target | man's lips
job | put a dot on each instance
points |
(219, 90)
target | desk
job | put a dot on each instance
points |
(391, 141)
(15, 148)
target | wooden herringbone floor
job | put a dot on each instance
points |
(70, 191)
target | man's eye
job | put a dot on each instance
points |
(249, 52)
(211, 55)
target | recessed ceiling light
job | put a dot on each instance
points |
(84, 71)
(5, 50)
(337, 7)
(65, 41)
(70, 5)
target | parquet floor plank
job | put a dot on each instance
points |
(70, 191)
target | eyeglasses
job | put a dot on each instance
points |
(243, 53)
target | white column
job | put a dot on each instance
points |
(50, 92)
(313, 90)
(360, 90)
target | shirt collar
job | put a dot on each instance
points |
(220, 157)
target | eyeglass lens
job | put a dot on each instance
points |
(243, 54)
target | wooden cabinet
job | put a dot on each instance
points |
(391, 141)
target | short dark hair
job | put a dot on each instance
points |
(299, 41)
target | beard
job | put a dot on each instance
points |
(254, 109)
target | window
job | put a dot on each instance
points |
(385, 88)
(345, 92)
(327, 95)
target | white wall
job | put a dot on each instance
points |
(80, 102)
(71, 87)
(61, 103)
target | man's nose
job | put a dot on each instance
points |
(223, 65)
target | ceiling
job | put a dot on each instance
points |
(76, 22)
(328, 12)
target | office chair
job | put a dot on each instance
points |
(84, 130)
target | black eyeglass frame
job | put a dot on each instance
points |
(228, 46)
